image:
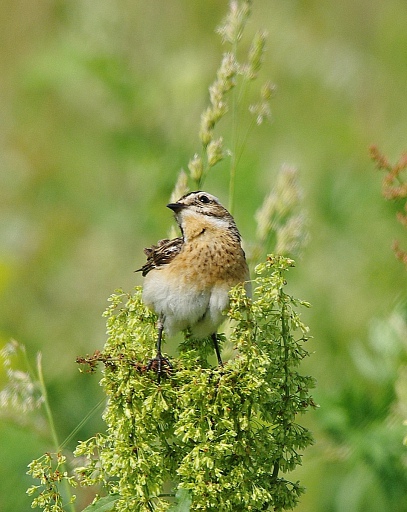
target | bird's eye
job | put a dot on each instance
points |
(204, 199)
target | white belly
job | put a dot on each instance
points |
(183, 306)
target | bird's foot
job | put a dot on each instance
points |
(161, 365)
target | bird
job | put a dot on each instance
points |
(187, 279)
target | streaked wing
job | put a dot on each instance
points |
(161, 254)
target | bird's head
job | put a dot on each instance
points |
(197, 211)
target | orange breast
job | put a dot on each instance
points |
(210, 262)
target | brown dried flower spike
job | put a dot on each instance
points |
(394, 187)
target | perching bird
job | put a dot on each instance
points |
(188, 279)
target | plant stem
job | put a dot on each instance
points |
(51, 424)
(233, 161)
(285, 335)
(47, 407)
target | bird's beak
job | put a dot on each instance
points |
(176, 207)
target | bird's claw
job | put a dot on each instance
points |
(160, 364)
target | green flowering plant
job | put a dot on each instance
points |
(223, 438)
(51, 471)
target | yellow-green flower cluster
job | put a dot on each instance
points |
(225, 80)
(225, 437)
(256, 53)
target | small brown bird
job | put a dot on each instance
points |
(187, 279)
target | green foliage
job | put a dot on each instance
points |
(222, 438)
(363, 425)
(221, 433)
(104, 504)
(50, 471)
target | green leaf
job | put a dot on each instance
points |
(183, 497)
(104, 504)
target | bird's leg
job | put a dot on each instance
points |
(159, 363)
(216, 345)
(160, 328)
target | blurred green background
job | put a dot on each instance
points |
(99, 109)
